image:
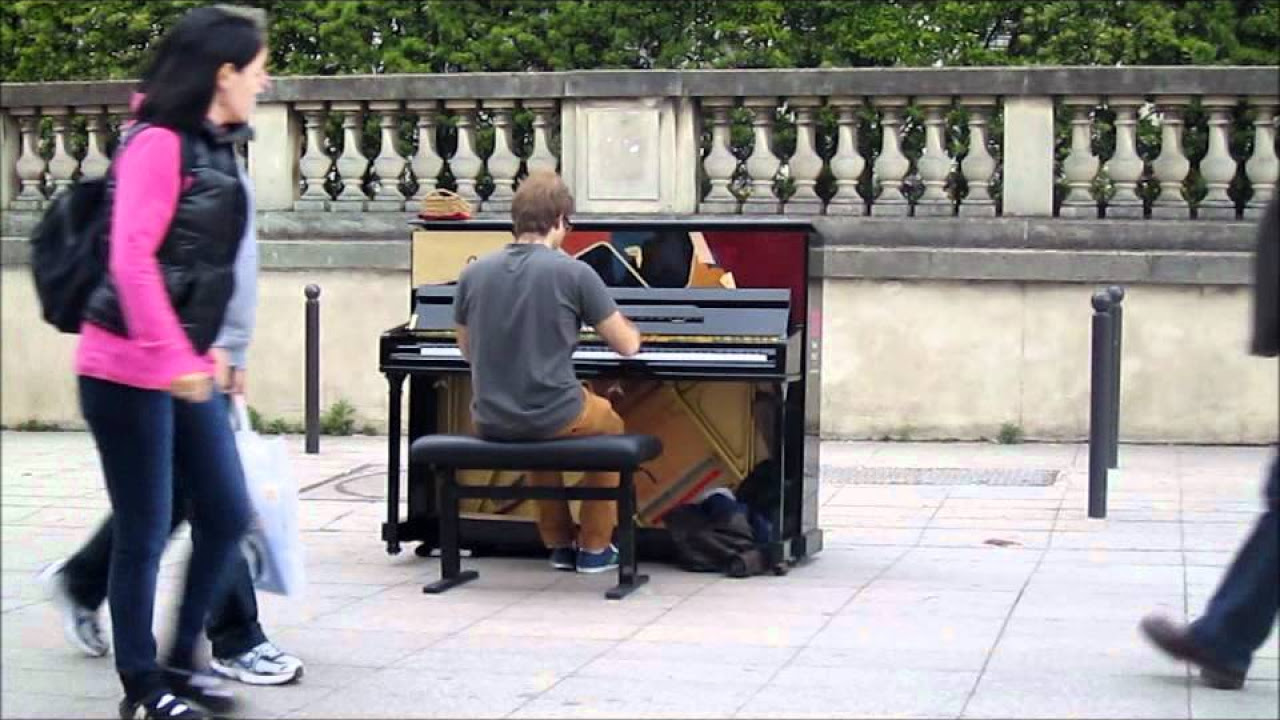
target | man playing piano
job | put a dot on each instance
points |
(518, 313)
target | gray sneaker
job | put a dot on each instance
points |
(266, 664)
(80, 624)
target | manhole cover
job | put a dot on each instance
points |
(938, 476)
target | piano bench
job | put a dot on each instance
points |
(622, 454)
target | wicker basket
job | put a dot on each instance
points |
(443, 204)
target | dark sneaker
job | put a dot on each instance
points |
(598, 562)
(1176, 641)
(564, 558)
(266, 664)
(163, 704)
(80, 625)
(203, 689)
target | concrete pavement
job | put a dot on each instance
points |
(939, 600)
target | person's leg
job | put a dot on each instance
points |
(555, 524)
(133, 430)
(206, 459)
(1242, 610)
(233, 626)
(87, 571)
(598, 517)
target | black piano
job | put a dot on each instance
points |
(747, 335)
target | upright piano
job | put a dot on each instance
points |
(724, 375)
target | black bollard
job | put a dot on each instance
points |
(1100, 415)
(313, 369)
(1117, 334)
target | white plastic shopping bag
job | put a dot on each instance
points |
(273, 546)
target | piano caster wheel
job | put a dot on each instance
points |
(781, 569)
(423, 550)
(393, 549)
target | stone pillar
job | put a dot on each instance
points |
(805, 164)
(62, 166)
(314, 165)
(1263, 167)
(978, 165)
(1218, 167)
(389, 165)
(541, 158)
(427, 163)
(892, 166)
(1080, 166)
(95, 162)
(352, 163)
(1028, 178)
(273, 164)
(30, 164)
(1171, 166)
(934, 164)
(504, 164)
(10, 149)
(762, 164)
(720, 163)
(1125, 167)
(465, 163)
(847, 164)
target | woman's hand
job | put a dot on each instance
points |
(194, 387)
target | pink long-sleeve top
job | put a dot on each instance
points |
(157, 350)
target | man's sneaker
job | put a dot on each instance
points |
(163, 704)
(266, 664)
(80, 624)
(203, 689)
(564, 558)
(598, 562)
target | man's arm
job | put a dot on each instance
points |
(463, 342)
(620, 333)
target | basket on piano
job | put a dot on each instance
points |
(441, 204)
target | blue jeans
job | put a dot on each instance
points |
(1241, 612)
(144, 439)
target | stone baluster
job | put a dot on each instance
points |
(1218, 167)
(762, 164)
(1080, 166)
(117, 115)
(63, 165)
(541, 158)
(935, 164)
(978, 166)
(504, 164)
(892, 166)
(389, 165)
(805, 164)
(31, 164)
(315, 163)
(95, 162)
(466, 164)
(1263, 168)
(1125, 166)
(847, 163)
(352, 163)
(720, 163)
(1171, 166)
(427, 162)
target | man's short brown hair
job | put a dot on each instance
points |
(541, 201)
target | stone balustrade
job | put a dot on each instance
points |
(1128, 143)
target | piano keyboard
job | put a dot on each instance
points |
(692, 356)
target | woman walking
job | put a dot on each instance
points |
(144, 364)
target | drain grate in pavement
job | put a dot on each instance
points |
(1014, 477)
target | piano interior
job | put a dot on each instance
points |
(722, 316)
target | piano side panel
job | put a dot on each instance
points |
(437, 256)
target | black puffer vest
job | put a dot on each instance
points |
(198, 255)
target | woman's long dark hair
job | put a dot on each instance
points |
(181, 79)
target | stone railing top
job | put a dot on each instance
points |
(1002, 81)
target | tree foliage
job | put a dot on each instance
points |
(60, 40)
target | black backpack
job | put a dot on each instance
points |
(69, 245)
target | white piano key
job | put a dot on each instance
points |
(643, 356)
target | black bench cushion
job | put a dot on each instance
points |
(598, 452)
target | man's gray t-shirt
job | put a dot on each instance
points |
(523, 307)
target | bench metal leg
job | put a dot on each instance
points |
(629, 577)
(451, 573)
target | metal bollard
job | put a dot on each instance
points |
(1100, 415)
(313, 369)
(1117, 334)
